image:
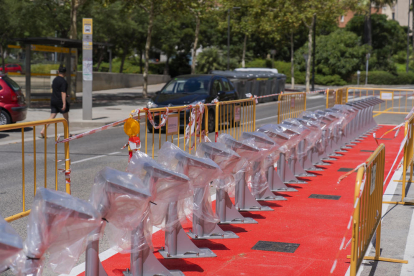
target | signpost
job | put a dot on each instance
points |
(87, 68)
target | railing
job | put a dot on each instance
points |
(330, 98)
(235, 117)
(22, 126)
(291, 105)
(367, 215)
(397, 101)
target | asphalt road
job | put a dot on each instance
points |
(88, 156)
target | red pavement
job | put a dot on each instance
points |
(318, 225)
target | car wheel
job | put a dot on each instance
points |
(4, 118)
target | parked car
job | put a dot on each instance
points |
(191, 89)
(13, 107)
(11, 67)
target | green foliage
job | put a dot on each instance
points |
(329, 80)
(210, 59)
(43, 68)
(385, 78)
(339, 53)
(180, 65)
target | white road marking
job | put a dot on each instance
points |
(94, 157)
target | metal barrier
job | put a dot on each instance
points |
(368, 210)
(338, 96)
(291, 105)
(22, 126)
(231, 117)
(330, 98)
(397, 101)
(235, 117)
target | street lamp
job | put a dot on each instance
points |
(358, 75)
(228, 36)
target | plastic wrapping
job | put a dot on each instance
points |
(254, 156)
(283, 137)
(227, 159)
(312, 133)
(317, 129)
(201, 171)
(58, 224)
(122, 199)
(10, 244)
(167, 187)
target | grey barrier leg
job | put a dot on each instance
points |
(285, 172)
(308, 161)
(144, 262)
(93, 266)
(244, 200)
(328, 150)
(226, 211)
(300, 162)
(276, 184)
(177, 243)
(266, 194)
(204, 229)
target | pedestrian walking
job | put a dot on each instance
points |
(59, 100)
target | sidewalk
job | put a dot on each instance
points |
(108, 106)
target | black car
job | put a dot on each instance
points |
(191, 89)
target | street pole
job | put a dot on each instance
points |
(366, 70)
(408, 39)
(314, 51)
(110, 60)
(228, 39)
(87, 68)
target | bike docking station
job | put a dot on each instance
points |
(201, 172)
(261, 140)
(10, 245)
(287, 160)
(58, 223)
(230, 163)
(246, 200)
(122, 200)
(171, 189)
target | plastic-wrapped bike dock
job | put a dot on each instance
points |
(287, 219)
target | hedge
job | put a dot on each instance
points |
(382, 77)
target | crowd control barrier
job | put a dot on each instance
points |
(366, 220)
(396, 101)
(35, 175)
(235, 117)
(338, 96)
(291, 105)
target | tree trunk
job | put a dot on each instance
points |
(73, 14)
(368, 28)
(167, 66)
(292, 64)
(412, 29)
(140, 60)
(3, 62)
(308, 62)
(194, 57)
(101, 54)
(147, 48)
(123, 60)
(244, 51)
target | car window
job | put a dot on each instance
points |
(217, 86)
(1, 87)
(187, 85)
(13, 85)
(226, 85)
(9, 65)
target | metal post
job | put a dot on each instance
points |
(87, 71)
(228, 39)
(28, 72)
(358, 75)
(69, 73)
(366, 71)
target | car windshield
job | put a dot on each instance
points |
(13, 85)
(188, 85)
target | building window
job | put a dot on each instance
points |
(393, 16)
(342, 18)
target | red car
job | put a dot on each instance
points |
(13, 107)
(16, 68)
